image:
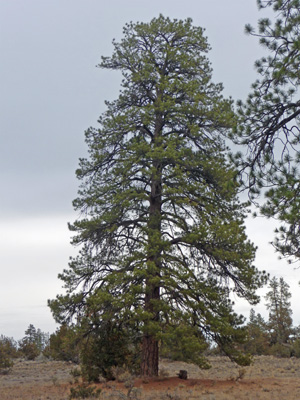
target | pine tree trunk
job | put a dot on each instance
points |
(149, 365)
(149, 361)
(150, 356)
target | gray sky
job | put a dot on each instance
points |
(50, 93)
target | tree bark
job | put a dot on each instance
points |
(150, 356)
(150, 350)
(149, 365)
(149, 362)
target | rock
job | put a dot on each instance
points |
(182, 374)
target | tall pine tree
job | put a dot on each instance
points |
(161, 230)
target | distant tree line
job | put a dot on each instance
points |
(276, 336)
(34, 343)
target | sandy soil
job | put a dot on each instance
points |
(268, 378)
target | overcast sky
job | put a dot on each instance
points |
(51, 92)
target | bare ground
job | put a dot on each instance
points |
(269, 378)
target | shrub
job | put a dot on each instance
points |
(8, 347)
(75, 372)
(5, 362)
(121, 374)
(28, 349)
(296, 348)
(84, 392)
(8, 351)
(281, 350)
(106, 347)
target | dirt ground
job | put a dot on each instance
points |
(268, 378)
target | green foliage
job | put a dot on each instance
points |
(231, 346)
(280, 313)
(41, 340)
(295, 351)
(276, 336)
(184, 343)
(258, 338)
(84, 391)
(9, 346)
(281, 350)
(258, 335)
(106, 347)
(28, 349)
(8, 351)
(33, 343)
(269, 124)
(5, 362)
(31, 334)
(63, 345)
(98, 346)
(162, 232)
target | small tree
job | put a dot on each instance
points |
(258, 342)
(34, 342)
(8, 351)
(5, 360)
(9, 346)
(280, 313)
(63, 344)
(42, 339)
(162, 233)
(109, 345)
(31, 334)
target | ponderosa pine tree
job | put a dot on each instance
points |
(161, 228)
(280, 322)
(270, 123)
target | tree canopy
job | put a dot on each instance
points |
(161, 230)
(269, 123)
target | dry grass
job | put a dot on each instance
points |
(269, 378)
